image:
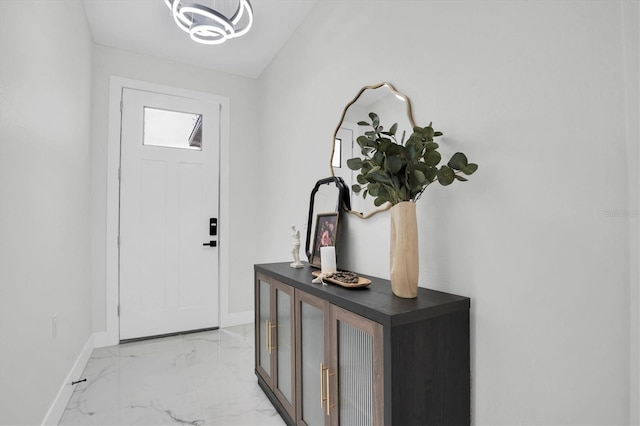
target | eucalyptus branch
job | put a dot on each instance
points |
(397, 171)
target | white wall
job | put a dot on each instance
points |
(631, 40)
(241, 161)
(535, 93)
(45, 106)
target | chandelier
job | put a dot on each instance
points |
(211, 24)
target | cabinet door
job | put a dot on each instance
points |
(263, 328)
(355, 378)
(312, 358)
(283, 346)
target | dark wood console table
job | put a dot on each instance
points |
(332, 355)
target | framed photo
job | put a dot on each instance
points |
(326, 232)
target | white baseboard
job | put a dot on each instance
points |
(236, 318)
(66, 390)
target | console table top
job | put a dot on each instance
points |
(375, 301)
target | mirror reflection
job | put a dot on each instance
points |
(392, 107)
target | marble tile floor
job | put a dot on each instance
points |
(204, 378)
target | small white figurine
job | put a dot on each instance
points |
(295, 250)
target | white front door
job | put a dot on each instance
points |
(168, 208)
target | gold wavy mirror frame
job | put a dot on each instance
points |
(391, 106)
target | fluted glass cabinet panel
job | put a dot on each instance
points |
(355, 375)
(263, 327)
(312, 355)
(284, 344)
(355, 379)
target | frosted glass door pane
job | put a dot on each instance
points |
(265, 358)
(312, 321)
(355, 375)
(284, 344)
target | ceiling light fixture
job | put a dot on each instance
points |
(211, 25)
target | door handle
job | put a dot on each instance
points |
(267, 339)
(322, 392)
(329, 406)
(211, 244)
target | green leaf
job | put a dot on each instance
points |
(461, 178)
(445, 176)
(363, 123)
(393, 128)
(410, 150)
(380, 201)
(395, 182)
(393, 164)
(356, 188)
(402, 194)
(374, 188)
(354, 163)
(394, 149)
(458, 161)
(378, 176)
(432, 158)
(375, 120)
(425, 132)
(415, 137)
(378, 158)
(437, 134)
(384, 145)
(374, 169)
(363, 141)
(361, 180)
(430, 146)
(431, 174)
(470, 169)
(420, 177)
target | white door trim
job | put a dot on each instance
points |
(111, 336)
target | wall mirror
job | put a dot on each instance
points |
(329, 196)
(392, 107)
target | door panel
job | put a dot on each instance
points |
(263, 329)
(355, 372)
(168, 192)
(283, 359)
(355, 380)
(284, 348)
(312, 315)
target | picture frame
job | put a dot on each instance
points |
(325, 234)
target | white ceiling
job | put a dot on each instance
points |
(146, 27)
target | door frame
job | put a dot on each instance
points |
(112, 295)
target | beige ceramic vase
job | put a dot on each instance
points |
(404, 250)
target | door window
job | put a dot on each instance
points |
(172, 129)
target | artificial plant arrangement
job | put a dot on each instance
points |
(398, 173)
(395, 172)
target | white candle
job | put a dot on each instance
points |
(328, 259)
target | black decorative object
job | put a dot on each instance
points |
(342, 203)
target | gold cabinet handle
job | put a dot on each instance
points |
(321, 386)
(328, 383)
(268, 335)
(271, 345)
